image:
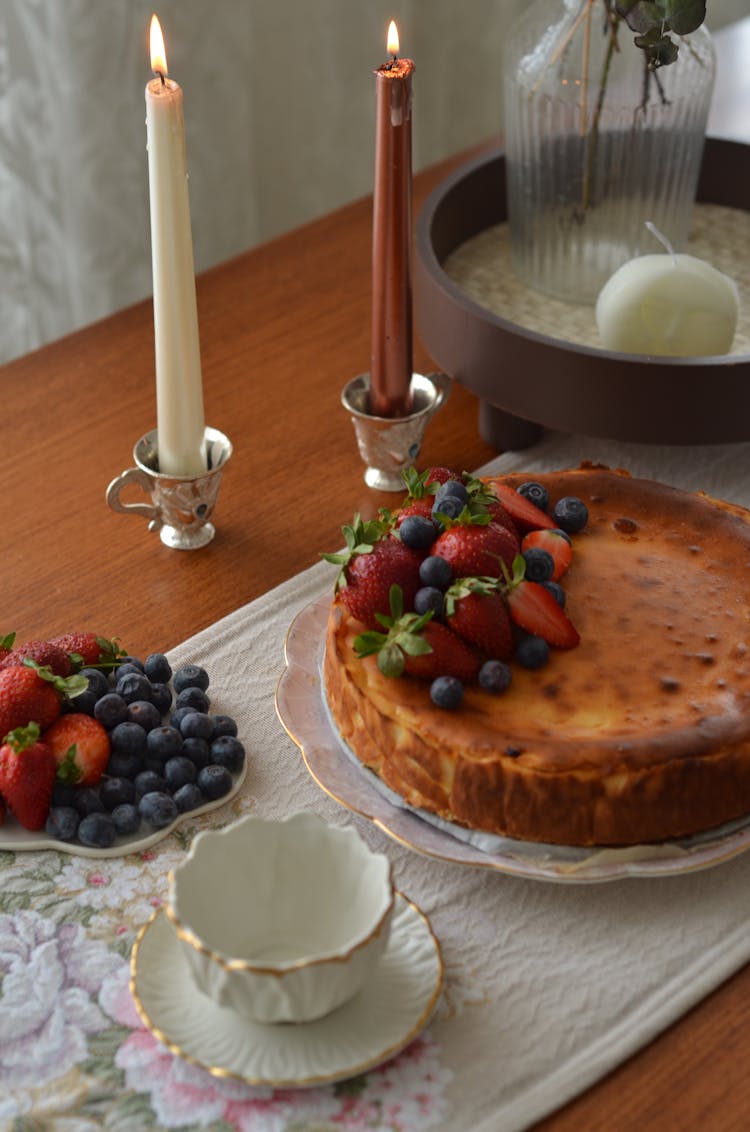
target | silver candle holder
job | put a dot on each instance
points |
(388, 445)
(181, 506)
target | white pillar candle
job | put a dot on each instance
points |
(668, 305)
(179, 392)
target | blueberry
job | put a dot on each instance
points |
(62, 823)
(133, 686)
(115, 791)
(449, 505)
(87, 801)
(229, 752)
(447, 692)
(128, 738)
(495, 676)
(97, 831)
(148, 782)
(193, 697)
(98, 682)
(126, 819)
(177, 716)
(214, 781)
(435, 571)
(145, 714)
(429, 598)
(161, 695)
(188, 797)
(111, 710)
(532, 652)
(134, 660)
(157, 808)
(190, 676)
(157, 668)
(557, 592)
(128, 669)
(196, 725)
(84, 702)
(454, 489)
(121, 765)
(563, 534)
(571, 514)
(540, 565)
(224, 725)
(178, 771)
(163, 743)
(536, 493)
(197, 750)
(418, 532)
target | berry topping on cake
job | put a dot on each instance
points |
(458, 591)
(534, 608)
(525, 514)
(476, 546)
(476, 610)
(417, 645)
(556, 544)
(373, 562)
(571, 514)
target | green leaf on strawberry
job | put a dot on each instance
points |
(68, 686)
(360, 537)
(401, 637)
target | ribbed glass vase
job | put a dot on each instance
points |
(597, 144)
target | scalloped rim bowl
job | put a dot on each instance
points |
(281, 921)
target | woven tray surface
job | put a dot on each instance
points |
(482, 268)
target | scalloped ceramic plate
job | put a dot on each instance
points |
(375, 1025)
(302, 709)
(17, 839)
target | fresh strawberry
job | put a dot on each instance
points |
(27, 775)
(525, 514)
(556, 544)
(373, 562)
(416, 645)
(483, 501)
(89, 650)
(439, 475)
(476, 610)
(45, 653)
(449, 655)
(421, 506)
(30, 693)
(80, 746)
(533, 608)
(476, 547)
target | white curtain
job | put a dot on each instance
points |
(279, 100)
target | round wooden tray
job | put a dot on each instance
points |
(526, 380)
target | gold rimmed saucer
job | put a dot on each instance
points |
(380, 1021)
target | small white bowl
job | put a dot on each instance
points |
(282, 921)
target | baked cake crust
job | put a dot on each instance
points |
(640, 734)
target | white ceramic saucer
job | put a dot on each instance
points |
(369, 1029)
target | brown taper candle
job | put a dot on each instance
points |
(392, 347)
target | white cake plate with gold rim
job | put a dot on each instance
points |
(375, 1025)
(303, 711)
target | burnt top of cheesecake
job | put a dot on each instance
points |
(658, 589)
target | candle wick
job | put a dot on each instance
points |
(162, 77)
(662, 239)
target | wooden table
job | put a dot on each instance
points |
(283, 328)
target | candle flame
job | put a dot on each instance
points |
(158, 51)
(392, 42)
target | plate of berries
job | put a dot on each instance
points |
(102, 753)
